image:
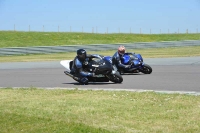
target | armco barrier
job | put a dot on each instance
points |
(93, 47)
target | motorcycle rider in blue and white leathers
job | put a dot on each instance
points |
(116, 58)
(79, 62)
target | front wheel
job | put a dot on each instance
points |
(146, 69)
(116, 78)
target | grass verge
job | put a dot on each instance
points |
(38, 110)
(27, 39)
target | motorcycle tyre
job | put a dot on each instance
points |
(146, 69)
(116, 78)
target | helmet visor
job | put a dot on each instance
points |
(121, 52)
(82, 56)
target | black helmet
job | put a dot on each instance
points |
(81, 53)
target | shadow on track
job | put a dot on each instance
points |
(92, 83)
(133, 74)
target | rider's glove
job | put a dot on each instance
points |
(91, 74)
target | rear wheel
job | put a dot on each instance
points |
(146, 69)
(116, 78)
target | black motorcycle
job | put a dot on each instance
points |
(100, 65)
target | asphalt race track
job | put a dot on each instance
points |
(169, 74)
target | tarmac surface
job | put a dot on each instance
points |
(169, 74)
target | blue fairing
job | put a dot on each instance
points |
(136, 62)
(125, 59)
(108, 58)
(139, 57)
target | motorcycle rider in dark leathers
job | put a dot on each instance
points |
(79, 63)
(116, 58)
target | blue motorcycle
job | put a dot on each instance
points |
(136, 62)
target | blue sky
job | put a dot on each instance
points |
(101, 16)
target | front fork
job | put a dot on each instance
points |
(141, 66)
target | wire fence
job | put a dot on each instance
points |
(105, 30)
(93, 47)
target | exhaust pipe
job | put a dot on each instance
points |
(132, 69)
(72, 76)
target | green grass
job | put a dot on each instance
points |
(75, 111)
(146, 53)
(25, 39)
